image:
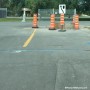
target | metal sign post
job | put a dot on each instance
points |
(74, 11)
(53, 10)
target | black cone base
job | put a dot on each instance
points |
(52, 28)
(35, 27)
(62, 30)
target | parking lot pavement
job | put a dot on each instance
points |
(51, 60)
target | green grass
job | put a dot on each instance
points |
(30, 19)
(12, 19)
(9, 19)
(84, 19)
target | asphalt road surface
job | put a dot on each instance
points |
(42, 59)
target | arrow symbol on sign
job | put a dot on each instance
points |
(62, 9)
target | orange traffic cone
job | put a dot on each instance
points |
(76, 25)
(62, 19)
(62, 23)
(35, 21)
(52, 22)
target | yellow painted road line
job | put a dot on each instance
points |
(29, 39)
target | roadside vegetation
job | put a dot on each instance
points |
(12, 19)
(9, 19)
(15, 6)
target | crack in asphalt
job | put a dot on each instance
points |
(40, 50)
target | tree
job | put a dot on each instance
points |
(16, 5)
(84, 6)
(4, 3)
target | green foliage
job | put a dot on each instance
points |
(15, 6)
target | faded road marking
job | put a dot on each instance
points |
(29, 39)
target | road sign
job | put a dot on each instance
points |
(62, 9)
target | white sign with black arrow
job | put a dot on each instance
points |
(62, 9)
